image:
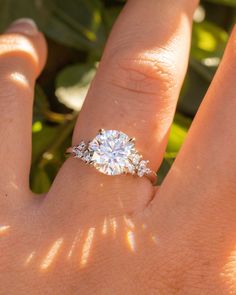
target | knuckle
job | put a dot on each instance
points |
(18, 46)
(147, 73)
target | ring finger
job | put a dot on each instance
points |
(135, 90)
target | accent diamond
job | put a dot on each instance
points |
(87, 157)
(79, 150)
(142, 168)
(135, 158)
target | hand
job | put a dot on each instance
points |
(95, 234)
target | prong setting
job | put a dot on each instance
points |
(101, 131)
(132, 140)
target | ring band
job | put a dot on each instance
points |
(112, 152)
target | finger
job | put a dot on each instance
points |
(205, 169)
(140, 75)
(138, 81)
(22, 57)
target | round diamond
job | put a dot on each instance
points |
(111, 151)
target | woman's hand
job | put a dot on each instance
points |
(97, 234)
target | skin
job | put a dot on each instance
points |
(95, 234)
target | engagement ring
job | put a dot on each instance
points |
(113, 152)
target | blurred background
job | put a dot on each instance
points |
(76, 32)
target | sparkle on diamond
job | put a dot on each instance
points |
(111, 152)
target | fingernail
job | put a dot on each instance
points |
(23, 25)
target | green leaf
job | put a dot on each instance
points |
(37, 127)
(75, 23)
(208, 41)
(42, 111)
(177, 136)
(40, 181)
(42, 139)
(164, 169)
(208, 44)
(224, 2)
(12, 9)
(49, 145)
(41, 105)
(72, 84)
(193, 91)
(109, 15)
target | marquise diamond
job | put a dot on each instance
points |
(79, 150)
(142, 168)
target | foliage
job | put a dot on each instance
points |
(77, 31)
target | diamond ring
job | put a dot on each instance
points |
(112, 152)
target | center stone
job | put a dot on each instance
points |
(111, 150)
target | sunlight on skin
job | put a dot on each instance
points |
(105, 227)
(19, 44)
(30, 258)
(75, 242)
(129, 223)
(14, 185)
(229, 271)
(87, 246)
(130, 238)
(19, 79)
(114, 225)
(154, 239)
(47, 261)
(4, 229)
